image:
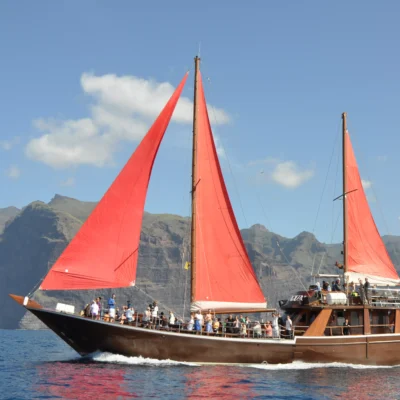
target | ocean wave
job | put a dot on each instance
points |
(300, 365)
(120, 359)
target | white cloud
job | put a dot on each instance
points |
(9, 144)
(366, 184)
(122, 109)
(288, 174)
(68, 182)
(13, 172)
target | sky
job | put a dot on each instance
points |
(81, 82)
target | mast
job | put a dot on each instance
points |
(194, 182)
(344, 130)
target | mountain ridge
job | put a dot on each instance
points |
(34, 238)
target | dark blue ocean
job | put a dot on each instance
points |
(38, 365)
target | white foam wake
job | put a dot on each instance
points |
(299, 365)
(120, 359)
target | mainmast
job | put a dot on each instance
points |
(194, 182)
(344, 132)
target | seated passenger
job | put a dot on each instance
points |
(215, 325)
(257, 331)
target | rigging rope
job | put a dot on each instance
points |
(326, 180)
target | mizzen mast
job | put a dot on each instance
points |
(344, 156)
(194, 183)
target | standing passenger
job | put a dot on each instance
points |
(289, 327)
(111, 307)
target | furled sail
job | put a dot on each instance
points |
(366, 252)
(224, 277)
(104, 252)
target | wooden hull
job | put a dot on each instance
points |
(87, 336)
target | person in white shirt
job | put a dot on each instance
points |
(171, 318)
(191, 323)
(154, 313)
(146, 316)
(289, 327)
(275, 326)
(94, 309)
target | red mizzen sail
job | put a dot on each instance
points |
(366, 252)
(224, 277)
(104, 252)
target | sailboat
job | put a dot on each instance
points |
(104, 254)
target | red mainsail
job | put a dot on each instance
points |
(104, 252)
(366, 252)
(224, 277)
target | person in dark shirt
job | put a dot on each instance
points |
(346, 327)
(229, 324)
(366, 290)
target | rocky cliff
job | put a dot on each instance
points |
(34, 238)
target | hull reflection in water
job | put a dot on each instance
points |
(81, 380)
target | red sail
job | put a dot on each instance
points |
(104, 252)
(366, 252)
(224, 277)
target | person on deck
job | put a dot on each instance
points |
(154, 312)
(336, 286)
(289, 324)
(243, 330)
(215, 325)
(318, 290)
(229, 324)
(98, 301)
(111, 307)
(198, 321)
(268, 329)
(171, 318)
(257, 330)
(346, 327)
(275, 325)
(208, 322)
(366, 291)
(146, 317)
(191, 323)
(94, 309)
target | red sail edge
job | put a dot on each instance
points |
(104, 252)
(224, 275)
(366, 252)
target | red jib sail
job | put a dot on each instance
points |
(104, 252)
(224, 277)
(366, 252)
